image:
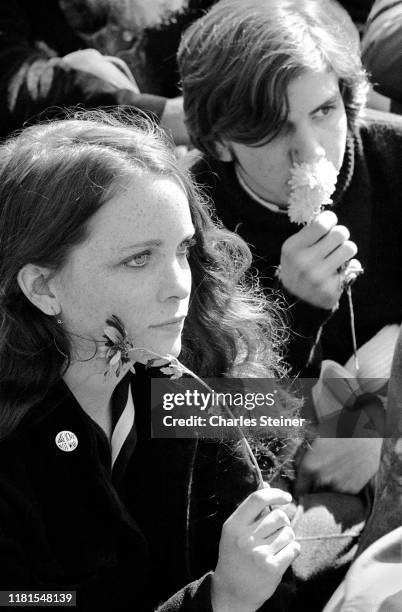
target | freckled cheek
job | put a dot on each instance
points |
(135, 308)
(89, 303)
(94, 307)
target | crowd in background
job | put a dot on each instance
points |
(62, 53)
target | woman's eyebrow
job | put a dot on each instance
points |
(137, 245)
(155, 242)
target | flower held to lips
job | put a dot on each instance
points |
(312, 186)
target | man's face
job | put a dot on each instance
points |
(316, 128)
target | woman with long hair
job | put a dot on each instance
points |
(106, 249)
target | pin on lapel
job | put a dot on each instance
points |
(66, 441)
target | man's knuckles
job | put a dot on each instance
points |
(322, 224)
(349, 248)
(337, 235)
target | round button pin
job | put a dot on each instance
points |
(66, 441)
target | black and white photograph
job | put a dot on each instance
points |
(200, 311)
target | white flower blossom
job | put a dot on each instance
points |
(312, 186)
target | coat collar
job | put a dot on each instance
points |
(58, 422)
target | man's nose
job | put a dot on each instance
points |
(306, 147)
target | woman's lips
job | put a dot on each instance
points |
(175, 323)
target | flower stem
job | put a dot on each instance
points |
(239, 429)
(176, 364)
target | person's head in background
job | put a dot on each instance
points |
(98, 219)
(270, 83)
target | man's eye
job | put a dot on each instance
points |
(138, 261)
(325, 110)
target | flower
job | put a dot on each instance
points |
(172, 372)
(175, 369)
(117, 347)
(119, 350)
(312, 186)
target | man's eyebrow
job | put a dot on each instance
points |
(332, 99)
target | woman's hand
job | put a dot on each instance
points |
(257, 546)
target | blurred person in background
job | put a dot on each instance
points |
(59, 53)
(382, 50)
(373, 581)
(358, 10)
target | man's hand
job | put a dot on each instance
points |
(312, 258)
(257, 546)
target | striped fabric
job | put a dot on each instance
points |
(124, 436)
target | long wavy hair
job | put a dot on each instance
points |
(53, 179)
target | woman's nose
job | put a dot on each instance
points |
(306, 147)
(176, 281)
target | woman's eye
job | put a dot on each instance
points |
(185, 247)
(138, 261)
(183, 250)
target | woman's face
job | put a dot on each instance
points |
(133, 265)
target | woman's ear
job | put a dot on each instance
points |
(223, 151)
(33, 282)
